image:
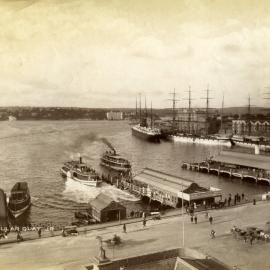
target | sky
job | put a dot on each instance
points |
(97, 53)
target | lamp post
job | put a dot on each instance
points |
(183, 223)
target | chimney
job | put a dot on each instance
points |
(80, 160)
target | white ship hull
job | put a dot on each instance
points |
(263, 147)
(85, 182)
(197, 140)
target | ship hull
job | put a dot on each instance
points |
(18, 213)
(85, 182)
(263, 147)
(115, 168)
(145, 136)
(19, 200)
(198, 140)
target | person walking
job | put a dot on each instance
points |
(211, 220)
(213, 234)
(251, 239)
(204, 204)
(144, 222)
(39, 232)
(195, 219)
(124, 228)
(229, 201)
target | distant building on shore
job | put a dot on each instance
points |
(12, 118)
(253, 127)
(114, 115)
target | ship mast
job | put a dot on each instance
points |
(140, 108)
(151, 116)
(136, 115)
(189, 109)
(145, 108)
(249, 111)
(173, 109)
(222, 107)
(207, 98)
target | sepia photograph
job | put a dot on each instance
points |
(135, 135)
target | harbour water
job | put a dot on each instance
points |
(34, 151)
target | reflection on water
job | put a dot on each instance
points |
(34, 151)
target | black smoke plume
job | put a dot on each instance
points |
(105, 141)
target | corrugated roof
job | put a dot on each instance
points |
(164, 181)
(244, 159)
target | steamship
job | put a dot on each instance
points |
(143, 130)
(78, 171)
(19, 200)
(113, 161)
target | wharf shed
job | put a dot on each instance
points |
(104, 208)
(170, 189)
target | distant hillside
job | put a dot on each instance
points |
(73, 113)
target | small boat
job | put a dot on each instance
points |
(114, 161)
(83, 174)
(69, 165)
(20, 199)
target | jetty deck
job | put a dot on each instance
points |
(234, 164)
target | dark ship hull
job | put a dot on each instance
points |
(3, 209)
(20, 199)
(146, 136)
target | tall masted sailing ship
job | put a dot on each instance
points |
(143, 130)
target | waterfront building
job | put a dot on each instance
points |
(256, 127)
(104, 208)
(194, 123)
(114, 115)
(169, 189)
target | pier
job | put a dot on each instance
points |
(244, 166)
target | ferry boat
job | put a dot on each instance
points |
(114, 161)
(69, 165)
(19, 200)
(83, 174)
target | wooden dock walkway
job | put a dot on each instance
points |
(257, 175)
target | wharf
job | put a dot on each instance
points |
(244, 166)
(72, 253)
